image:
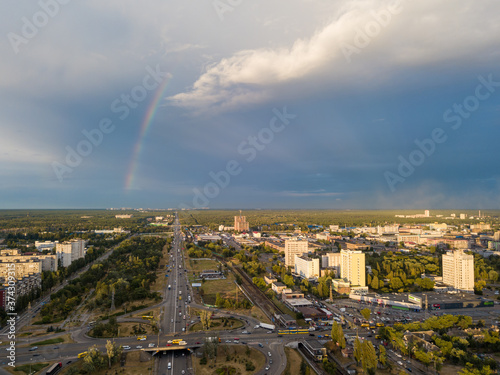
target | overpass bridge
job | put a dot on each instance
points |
(154, 351)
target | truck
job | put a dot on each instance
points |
(267, 326)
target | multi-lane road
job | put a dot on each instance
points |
(174, 311)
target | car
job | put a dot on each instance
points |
(138, 347)
(151, 345)
(244, 332)
(33, 348)
(311, 334)
(183, 372)
(228, 340)
(260, 345)
(400, 363)
(269, 354)
(267, 368)
(270, 332)
(56, 347)
(270, 361)
(36, 355)
(126, 347)
(169, 344)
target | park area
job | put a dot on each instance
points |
(231, 359)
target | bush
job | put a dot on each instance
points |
(203, 361)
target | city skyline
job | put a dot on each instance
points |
(345, 105)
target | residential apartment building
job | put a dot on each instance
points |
(307, 268)
(69, 251)
(352, 267)
(292, 248)
(240, 224)
(48, 262)
(46, 245)
(331, 261)
(458, 270)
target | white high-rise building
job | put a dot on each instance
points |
(331, 260)
(69, 251)
(496, 236)
(458, 270)
(292, 248)
(426, 213)
(306, 267)
(352, 267)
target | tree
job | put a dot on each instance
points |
(338, 335)
(369, 359)
(93, 360)
(303, 368)
(366, 313)
(375, 283)
(382, 356)
(112, 351)
(357, 350)
(206, 319)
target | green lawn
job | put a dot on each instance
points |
(226, 287)
(201, 265)
(35, 367)
(57, 340)
(217, 325)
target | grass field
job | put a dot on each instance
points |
(293, 361)
(25, 369)
(197, 265)
(235, 356)
(218, 325)
(226, 287)
(133, 366)
(57, 340)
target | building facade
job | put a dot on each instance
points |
(458, 270)
(292, 248)
(352, 267)
(240, 224)
(307, 268)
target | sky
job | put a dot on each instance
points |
(346, 104)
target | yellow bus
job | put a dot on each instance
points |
(82, 355)
(380, 324)
(365, 325)
(176, 341)
(147, 317)
(141, 338)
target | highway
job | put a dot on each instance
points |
(174, 317)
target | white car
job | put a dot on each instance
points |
(151, 345)
(267, 368)
(138, 347)
(126, 347)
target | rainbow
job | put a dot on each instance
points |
(145, 125)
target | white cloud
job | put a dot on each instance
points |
(417, 34)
